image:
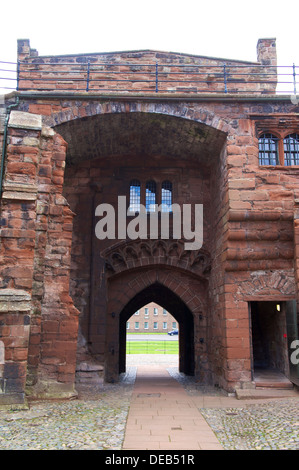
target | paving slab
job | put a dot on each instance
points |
(162, 416)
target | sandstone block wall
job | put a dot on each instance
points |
(67, 153)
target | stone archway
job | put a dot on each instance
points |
(180, 292)
(170, 301)
(106, 149)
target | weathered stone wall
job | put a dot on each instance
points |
(50, 257)
(36, 233)
(147, 72)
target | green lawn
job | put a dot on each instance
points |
(152, 347)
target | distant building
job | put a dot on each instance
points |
(151, 319)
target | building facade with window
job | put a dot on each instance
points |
(151, 319)
(123, 139)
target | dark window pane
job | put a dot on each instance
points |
(291, 149)
(150, 196)
(268, 150)
(166, 199)
(134, 196)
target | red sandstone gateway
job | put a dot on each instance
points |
(160, 129)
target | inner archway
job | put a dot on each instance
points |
(165, 297)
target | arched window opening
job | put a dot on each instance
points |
(134, 196)
(268, 150)
(166, 196)
(291, 149)
(150, 196)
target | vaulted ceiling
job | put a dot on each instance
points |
(140, 134)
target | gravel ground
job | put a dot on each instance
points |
(268, 426)
(97, 419)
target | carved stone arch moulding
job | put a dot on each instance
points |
(84, 109)
(140, 253)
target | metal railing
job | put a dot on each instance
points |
(154, 77)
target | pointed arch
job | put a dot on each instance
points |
(167, 299)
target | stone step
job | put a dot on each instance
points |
(286, 385)
(263, 393)
(269, 378)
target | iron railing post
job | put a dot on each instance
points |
(225, 78)
(157, 77)
(18, 74)
(294, 76)
(87, 77)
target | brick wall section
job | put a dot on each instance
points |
(36, 232)
(136, 72)
(253, 207)
(296, 242)
(210, 151)
(253, 223)
(14, 333)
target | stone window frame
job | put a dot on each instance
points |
(280, 136)
(159, 186)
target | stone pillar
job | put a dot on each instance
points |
(24, 50)
(17, 232)
(15, 309)
(36, 233)
(237, 363)
(266, 51)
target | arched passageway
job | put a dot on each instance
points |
(112, 278)
(170, 301)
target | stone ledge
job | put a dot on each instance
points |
(22, 120)
(22, 192)
(14, 300)
(16, 191)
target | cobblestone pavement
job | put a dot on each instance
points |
(94, 421)
(97, 419)
(269, 426)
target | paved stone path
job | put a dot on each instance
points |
(108, 416)
(163, 416)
